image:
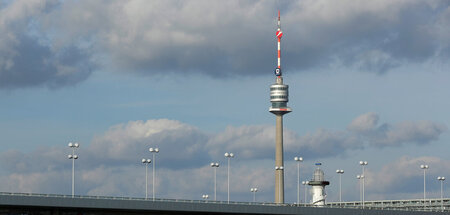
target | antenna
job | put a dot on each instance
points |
(279, 34)
(279, 24)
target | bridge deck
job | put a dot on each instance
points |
(16, 203)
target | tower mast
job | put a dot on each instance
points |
(279, 94)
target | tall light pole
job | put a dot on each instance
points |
(424, 167)
(229, 156)
(254, 190)
(299, 160)
(360, 178)
(305, 183)
(73, 156)
(153, 151)
(442, 179)
(363, 164)
(340, 172)
(215, 166)
(146, 162)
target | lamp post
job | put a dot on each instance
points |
(153, 151)
(279, 168)
(305, 183)
(360, 178)
(215, 166)
(229, 156)
(205, 197)
(254, 190)
(424, 167)
(299, 160)
(73, 157)
(442, 179)
(363, 164)
(340, 172)
(146, 162)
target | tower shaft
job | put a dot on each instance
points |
(279, 161)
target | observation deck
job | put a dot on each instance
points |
(279, 97)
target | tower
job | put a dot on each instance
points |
(318, 184)
(279, 98)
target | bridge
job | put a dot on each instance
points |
(407, 204)
(51, 204)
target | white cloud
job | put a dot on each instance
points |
(404, 176)
(123, 142)
(110, 164)
(364, 123)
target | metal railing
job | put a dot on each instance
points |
(137, 199)
(437, 205)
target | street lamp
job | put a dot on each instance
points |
(205, 197)
(280, 168)
(305, 183)
(340, 172)
(153, 151)
(299, 160)
(424, 167)
(73, 156)
(229, 156)
(363, 164)
(442, 179)
(215, 166)
(254, 190)
(360, 178)
(146, 162)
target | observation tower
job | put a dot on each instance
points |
(279, 98)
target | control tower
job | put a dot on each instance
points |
(318, 184)
(279, 98)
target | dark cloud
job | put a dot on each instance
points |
(216, 38)
(37, 65)
(367, 129)
(28, 57)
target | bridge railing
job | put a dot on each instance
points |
(408, 205)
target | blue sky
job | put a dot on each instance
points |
(368, 81)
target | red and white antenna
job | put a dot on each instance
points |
(279, 34)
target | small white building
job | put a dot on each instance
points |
(318, 184)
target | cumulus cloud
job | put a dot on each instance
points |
(216, 38)
(110, 164)
(177, 142)
(422, 132)
(403, 176)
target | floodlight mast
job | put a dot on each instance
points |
(279, 98)
(73, 157)
(146, 162)
(153, 151)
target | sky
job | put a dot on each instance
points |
(368, 80)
